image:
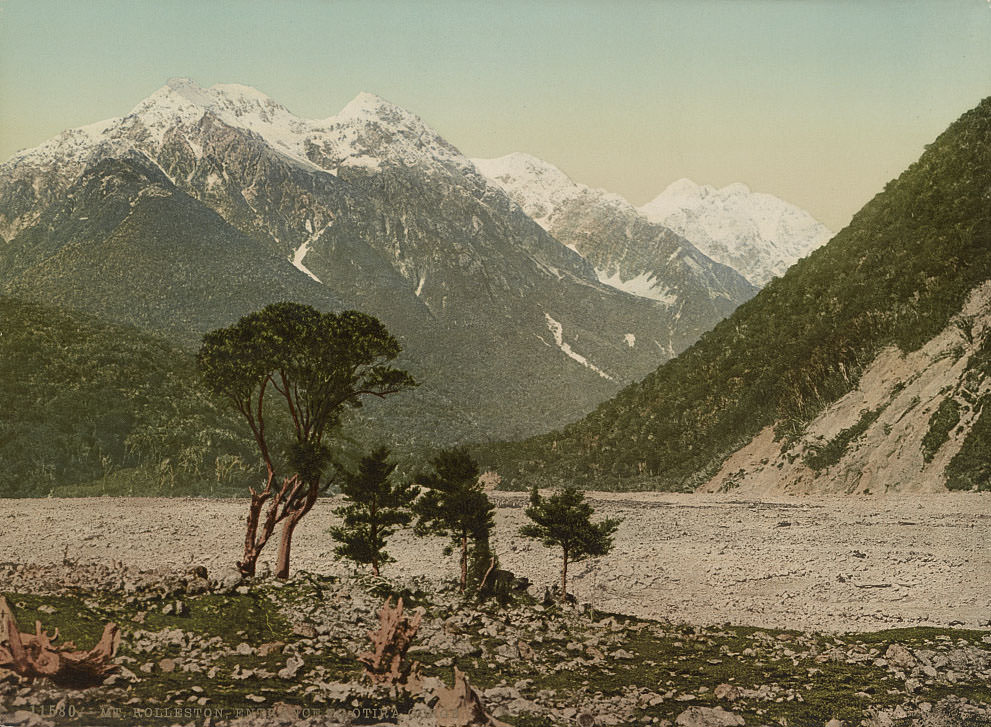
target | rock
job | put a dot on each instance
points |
(836, 723)
(167, 665)
(708, 717)
(254, 698)
(898, 655)
(244, 649)
(525, 651)
(306, 630)
(23, 718)
(272, 647)
(729, 692)
(197, 586)
(293, 665)
(227, 580)
(621, 654)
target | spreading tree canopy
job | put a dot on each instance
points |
(311, 366)
(564, 520)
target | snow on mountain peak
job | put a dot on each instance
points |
(756, 233)
(366, 105)
(366, 132)
(539, 187)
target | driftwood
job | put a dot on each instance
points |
(34, 656)
(386, 663)
(461, 706)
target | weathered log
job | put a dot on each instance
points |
(461, 706)
(34, 656)
(386, 664)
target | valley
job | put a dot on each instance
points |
(833, 564)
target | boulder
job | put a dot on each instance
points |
(708, 717)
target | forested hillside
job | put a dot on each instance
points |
(93, 408)
(895, 275)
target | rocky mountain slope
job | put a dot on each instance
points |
(755, 233)
(897, 276)
(627, 251)
(205, 203)
(901, 429)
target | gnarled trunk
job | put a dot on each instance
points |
(280, 507)
(294, 513)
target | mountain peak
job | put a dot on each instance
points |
(368, 106)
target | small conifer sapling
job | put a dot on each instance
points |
(564, 520)
(455, 505)
(377, 503)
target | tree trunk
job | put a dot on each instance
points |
(564, 577)
(285, 549)
(375, 568)
(294, 516)
(251, 551)
(464, 562)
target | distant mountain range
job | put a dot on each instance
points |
(865, 368)
(203, 204)
(756, 234)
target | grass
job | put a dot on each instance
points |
(799, 685)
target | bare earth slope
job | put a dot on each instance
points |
(903, 391)
(821, 563)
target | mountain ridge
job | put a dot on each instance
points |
(896, 275)
(369, 208)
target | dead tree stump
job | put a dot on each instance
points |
(34, 656)
(386, 664)
(461, 706)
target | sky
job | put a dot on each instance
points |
(819, 102)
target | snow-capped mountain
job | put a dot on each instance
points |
(627, 251)
(757, 234)
(205, 203)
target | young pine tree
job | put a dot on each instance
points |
(376, 505)
(564, 520)
(455, 505)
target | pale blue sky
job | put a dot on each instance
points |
(818, 102)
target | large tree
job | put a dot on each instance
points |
(376, 504)
(564, 520)
(455, 504)
(311, 367)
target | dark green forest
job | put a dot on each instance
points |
(896, 275)
(90, 408)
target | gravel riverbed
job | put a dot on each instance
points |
(815, 563)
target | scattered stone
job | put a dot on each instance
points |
(272, 647)
(898, 655)
(292, 667)
(729, 692)
(708, 717)
(525, 651)
(305, 630)
(167, 665)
